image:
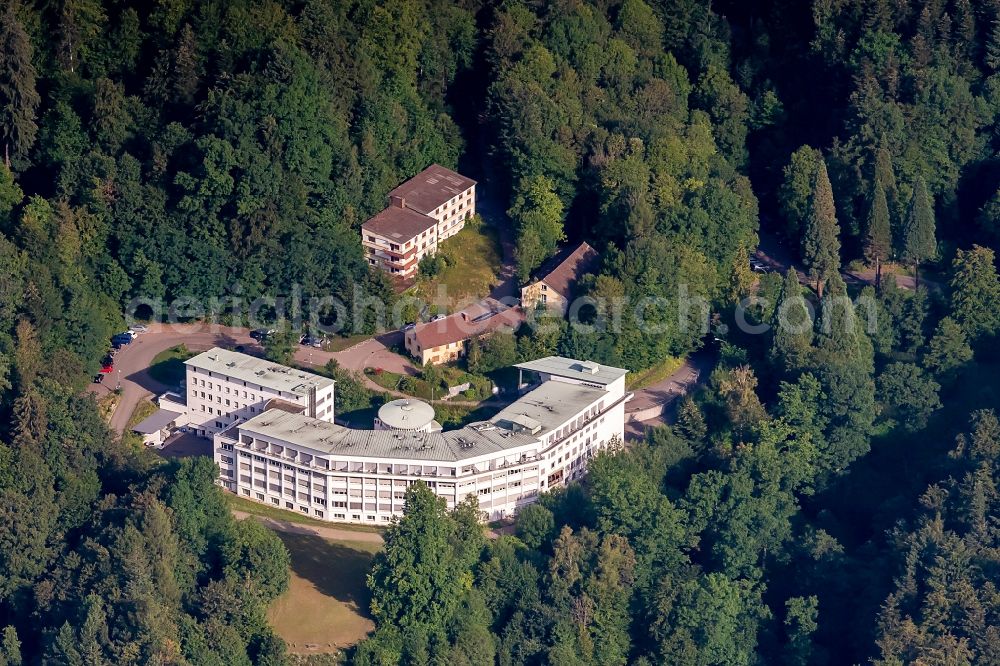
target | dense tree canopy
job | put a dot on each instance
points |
(820, 498)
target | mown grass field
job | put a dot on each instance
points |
(268, 511)
(474, 259)
(326, 606)
(168, 366)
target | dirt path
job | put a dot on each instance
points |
(335, 533)
(778, 257)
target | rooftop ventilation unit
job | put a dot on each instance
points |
(590, 367)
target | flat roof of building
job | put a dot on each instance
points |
(156, 421)
(548, 406)
(478, 319)
(432, 187)
(584, 371)
(399, 224)
(253, 370)
(471, 441)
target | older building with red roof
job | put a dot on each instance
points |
(556, 280)
(446, 339)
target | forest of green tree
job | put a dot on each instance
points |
(829, 496)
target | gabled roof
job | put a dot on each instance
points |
(563, 271)
(432, 187)
(479, 319)
(399, 224)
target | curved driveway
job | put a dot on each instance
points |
(133, 361)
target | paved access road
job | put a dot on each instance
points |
(133, 361)
(650, 406)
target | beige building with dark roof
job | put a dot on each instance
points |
(557, 279)
(425, 210)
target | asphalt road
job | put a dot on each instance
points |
(133, 361)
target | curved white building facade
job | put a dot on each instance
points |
(540, 442)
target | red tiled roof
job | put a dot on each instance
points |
(400, 224)
(477, 321)
(563, 272)
(432, 187)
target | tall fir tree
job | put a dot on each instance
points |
(885, 176)
(18, 97)
(919, 243)
(878, 232)
(791, 326)
(820, 240)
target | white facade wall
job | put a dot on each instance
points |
(216, 401)
(357, 489)
(452, 214)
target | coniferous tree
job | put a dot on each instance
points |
(791, 326)
(992, 51)
(948, 348)
(919, 244)
(878, 235)
(10, 648)
(885, 176)
(18, 97)
(820, 239)
(975, 292)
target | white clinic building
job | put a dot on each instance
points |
(225, 387)
(287, 458)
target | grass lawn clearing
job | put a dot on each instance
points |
(268, 511)
(168, 366)
(655, 374)
(474, 257)
(338, 343)
(326, 606)
(144, 409)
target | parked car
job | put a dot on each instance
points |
(311, 341)
(108, 360)
(99, 378)
(138, 329)
(261, 334)
(107, 369)
(122, 339)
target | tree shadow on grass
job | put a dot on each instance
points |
(336, 569)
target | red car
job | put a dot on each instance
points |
(107, 369)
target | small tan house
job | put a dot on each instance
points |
(556, 281)
(447, 338)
